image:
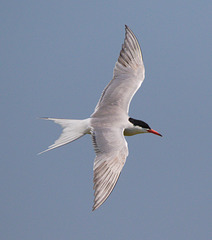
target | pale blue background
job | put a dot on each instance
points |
(56, 58)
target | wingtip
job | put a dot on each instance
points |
(45, 118)
(94, 207)
(126, 27)
(43, 152)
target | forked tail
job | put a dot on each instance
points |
(72, 130)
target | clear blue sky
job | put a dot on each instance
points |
(56, 58)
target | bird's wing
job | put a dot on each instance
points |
(128, 75)
(111, 152)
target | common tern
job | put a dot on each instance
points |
(110, 121)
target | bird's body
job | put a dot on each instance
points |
(110, 120)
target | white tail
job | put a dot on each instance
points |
(72, 130)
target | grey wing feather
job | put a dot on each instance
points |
(128, 75)
(111, 152)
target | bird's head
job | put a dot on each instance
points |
(143, 127)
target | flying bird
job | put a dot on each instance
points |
(110, 122)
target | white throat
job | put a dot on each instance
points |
(132, 130)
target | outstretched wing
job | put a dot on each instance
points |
(128, 75)
(111, 152)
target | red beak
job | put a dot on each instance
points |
(154, 132)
